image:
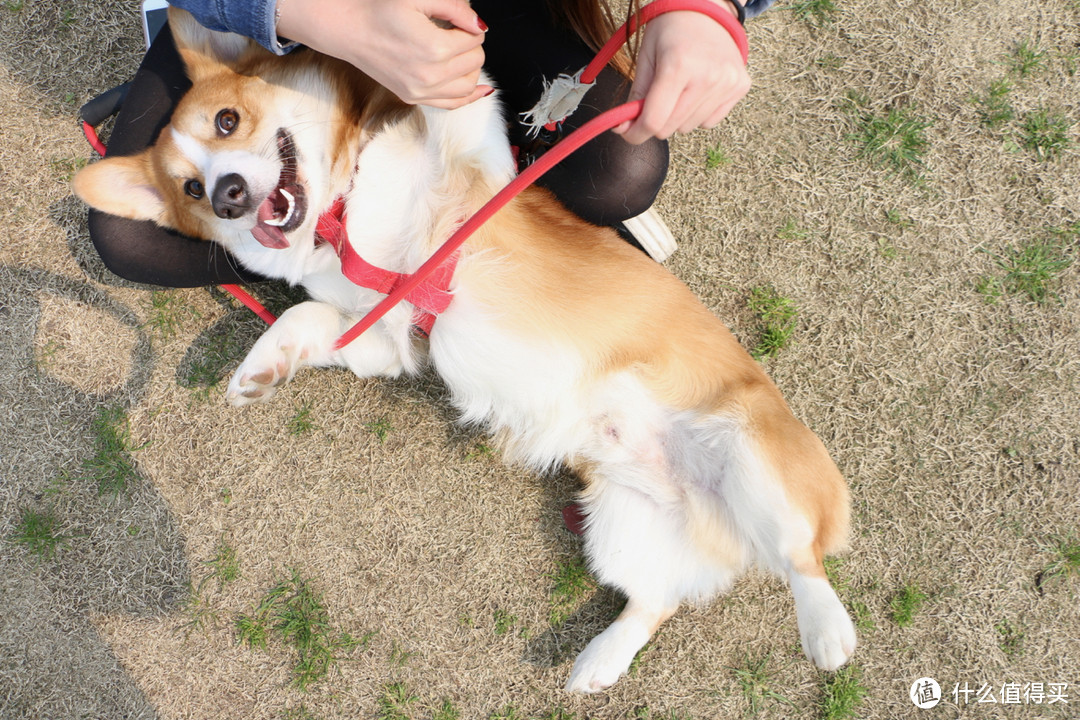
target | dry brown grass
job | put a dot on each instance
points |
(955, 419)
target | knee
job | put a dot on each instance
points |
(611, 181)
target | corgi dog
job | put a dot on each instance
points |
(566, 343)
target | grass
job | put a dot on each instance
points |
(110, 466)
(905, 604)
(896, 141)
(504, 621)
(815, 12)
(1026, 58)
(224, 566)
(380, 428)
(843, 693)
(1033, 269)
(446, 711)
(1010, 638)
(293, 612)
(1065, 561)
(571, 583)
(1045, 134)
(993, 107)
(165, 314)
(39, 532)
(777, 317)
(716, 157)
(301, 422)
(212, 355)
(395, 701)
(753, 678)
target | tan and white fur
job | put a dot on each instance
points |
(566, 343)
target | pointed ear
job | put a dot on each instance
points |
(121, 186)
(204, 51)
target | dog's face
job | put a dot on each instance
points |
(256, 148)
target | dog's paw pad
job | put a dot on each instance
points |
(267, 367)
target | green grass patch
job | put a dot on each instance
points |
(815, 12)
(1034, 269)
(224, 566)
(896, 141)
(1010, 638)
(111, 466)
(446, 711)
(716, 157)
(38, 531)
(301, 422)
(166, 312)
(777, 317)
(571, 583)
(993, 106)
(754, 684)
(1065, 560)
(1026, 58)
(395, 701)
(906, 604)
(380, 428)
(843, 693)
(1046, 134)
(791, 230)
(504, 621)
(507, 712)
(293, 612)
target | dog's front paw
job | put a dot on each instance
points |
(826, 631)
(268, 366)
(607, 657)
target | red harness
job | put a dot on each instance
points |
(430, 297)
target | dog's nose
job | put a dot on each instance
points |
(231, 198)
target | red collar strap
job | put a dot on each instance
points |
(431, 297)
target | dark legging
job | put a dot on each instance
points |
(606, 182)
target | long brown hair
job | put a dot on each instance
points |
(594, 22)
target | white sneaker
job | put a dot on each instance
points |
(652, 234)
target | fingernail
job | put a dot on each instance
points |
(481, 24)
(489, 91)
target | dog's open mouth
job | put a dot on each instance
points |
(284, 208)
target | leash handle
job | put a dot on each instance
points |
(659, 7)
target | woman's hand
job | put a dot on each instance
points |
(690, 74)
(427, 52)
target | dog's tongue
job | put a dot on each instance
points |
(270, 236)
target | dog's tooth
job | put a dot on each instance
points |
(292, 204)
(275, 222)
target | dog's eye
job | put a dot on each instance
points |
(194, 188)
(227, 120)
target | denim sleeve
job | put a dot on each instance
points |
(250, 18)
(756, 7)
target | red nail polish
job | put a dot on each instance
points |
(482, 25)
(488, 93)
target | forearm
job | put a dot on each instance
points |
(252, 18)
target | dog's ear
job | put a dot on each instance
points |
(121, 186)
(204, 51)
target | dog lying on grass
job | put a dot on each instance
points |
(566, 343)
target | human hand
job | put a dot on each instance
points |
(690, 74)
(397, 43)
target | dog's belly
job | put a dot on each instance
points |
(530, 393)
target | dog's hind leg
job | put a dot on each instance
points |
(629, 545)
(305, 335)
(793, 513)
